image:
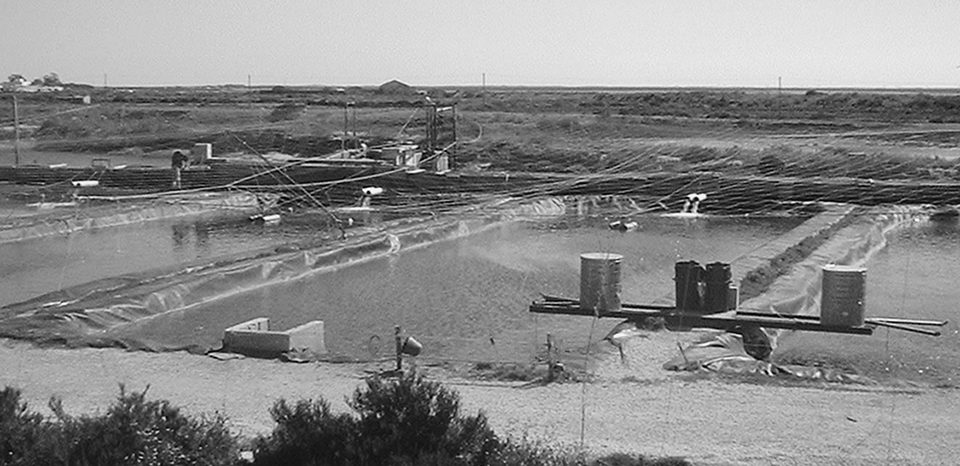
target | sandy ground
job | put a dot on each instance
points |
(632, 407)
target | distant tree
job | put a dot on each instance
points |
(15, 78)
(36, 82)
(51, 79)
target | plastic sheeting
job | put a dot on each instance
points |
(724, 353)
(85, 314)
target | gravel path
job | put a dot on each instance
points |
(633, 406)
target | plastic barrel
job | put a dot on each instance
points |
(842, 298)
(717, 278)
(600, 285)
(687, 283)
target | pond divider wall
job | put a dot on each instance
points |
(798, 292)
(66, 220)
(727, 189)
(755, 265)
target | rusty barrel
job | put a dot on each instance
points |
(843, 294)
(600, 285)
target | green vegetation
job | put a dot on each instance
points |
(403, 421)
(133, 431)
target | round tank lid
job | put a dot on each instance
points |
(602, 256)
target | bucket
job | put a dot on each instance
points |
(687, 283)
(842, 298)
(600, 285)
(717, 278)
(411, 347)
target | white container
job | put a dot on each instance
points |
(843, 295)
(600, 286)
(201, 152)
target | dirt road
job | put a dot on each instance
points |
(633, 406)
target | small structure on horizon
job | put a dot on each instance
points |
(395, 87)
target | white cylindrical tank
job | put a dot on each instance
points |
(600, 285)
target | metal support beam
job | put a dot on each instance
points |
(722, 321)
(729, 320)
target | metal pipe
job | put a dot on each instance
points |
(928, 323)
(881, 323)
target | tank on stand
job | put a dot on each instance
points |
(600, 285)
(843, 295)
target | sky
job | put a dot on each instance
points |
(808, 44)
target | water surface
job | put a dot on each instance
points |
(466, 299)
(38, 266)
(914, 277)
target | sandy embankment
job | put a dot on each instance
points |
(631, 406)
(637, 407)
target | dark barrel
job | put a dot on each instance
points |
(687, 283)
(717, 278)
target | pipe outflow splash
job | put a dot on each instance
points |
(692, 204)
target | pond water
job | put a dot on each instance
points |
(34, 267)
(466, 299)
(914, 277)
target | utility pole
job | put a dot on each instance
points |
(779, 96)
(343, 140)
(346, 123)
(484, 88)
(104, 80)
(16, 130)
(248, 81)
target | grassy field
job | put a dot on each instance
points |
(867, 134)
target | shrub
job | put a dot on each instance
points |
(307, 433)
(286, 111)
(620, 459)
(20, 431)
(404, 421)
(136, 431)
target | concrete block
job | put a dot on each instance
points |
(254, 338)
(308, 337)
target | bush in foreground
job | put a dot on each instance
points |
(133, 431)
(20, 431)
(405, 421)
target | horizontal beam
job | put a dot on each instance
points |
(723, 321)
(881, 323)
